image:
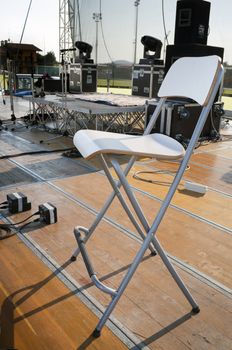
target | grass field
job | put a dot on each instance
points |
(227, 102)
(116, 83)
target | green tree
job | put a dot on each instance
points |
(46, 60)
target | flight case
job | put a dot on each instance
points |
(178, 120)
(83, 77)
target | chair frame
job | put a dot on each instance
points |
(146, 231)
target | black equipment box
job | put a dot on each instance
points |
(52, 85)
(192, 22)
(146, 80)
(48, 213)
(178, 120)
(173, 52)
(82, 77)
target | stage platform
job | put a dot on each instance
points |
(108, 112)
(49, 302)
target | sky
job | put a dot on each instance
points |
(118, 25)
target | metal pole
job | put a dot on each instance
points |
(136, 28)
(21, 38)
(79, 19)
(96, 41)
(97, 17)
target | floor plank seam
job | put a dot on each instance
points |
(189, 213)
(213, 151)
(228, 195)
(214, 297)
(202, 276)
(183, 265)
(124, 334)
(126, 231)
(198, 217)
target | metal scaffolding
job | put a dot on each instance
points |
(68, 115)
(66, 28)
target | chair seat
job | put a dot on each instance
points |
(93, 142)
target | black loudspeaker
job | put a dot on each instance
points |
(192, 22)
(173, 52)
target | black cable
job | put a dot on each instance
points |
(103, 36)
(164, 25)
(28, 223)
(25, 22)
(165, 171)
(5, 202)
(6, 234)
(4, 207)
(20, 222)
(36, 152)
(79, 19)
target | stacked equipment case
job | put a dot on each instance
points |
(178, 120)
(83, 73)
(82, 77)
(148, 74)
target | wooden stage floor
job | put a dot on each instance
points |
(48, 302)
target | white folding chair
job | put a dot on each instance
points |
(196, 78)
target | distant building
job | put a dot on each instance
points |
(23, 56)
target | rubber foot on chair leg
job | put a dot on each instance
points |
(195, 310)
(73, 258)
(96, 333)
(153, 253)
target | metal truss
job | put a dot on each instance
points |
(66, 28)
(57, 116)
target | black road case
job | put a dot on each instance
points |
(178, 120)
(146, 80)
(82, 77)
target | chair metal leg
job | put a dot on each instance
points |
(130, 194)
(124, 204)
(148, 233)
(100, 215)
(149, 238)
(155, 241)
(151, 233)
(126, 171)
(130, 273)
(103, 210)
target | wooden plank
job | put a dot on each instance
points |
(6, 149)
(53, 165)
(218, 206)
(205, 168)
(11, 175)
(12, 144)
(152, 299)
(215, 146)
(212, 206)
(201, 250)
(205, 247)
(227, 153)
(38, 311)
(50, 140)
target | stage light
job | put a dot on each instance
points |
(151, 44)
(85, 50)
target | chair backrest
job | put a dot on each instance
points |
(191, 77)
